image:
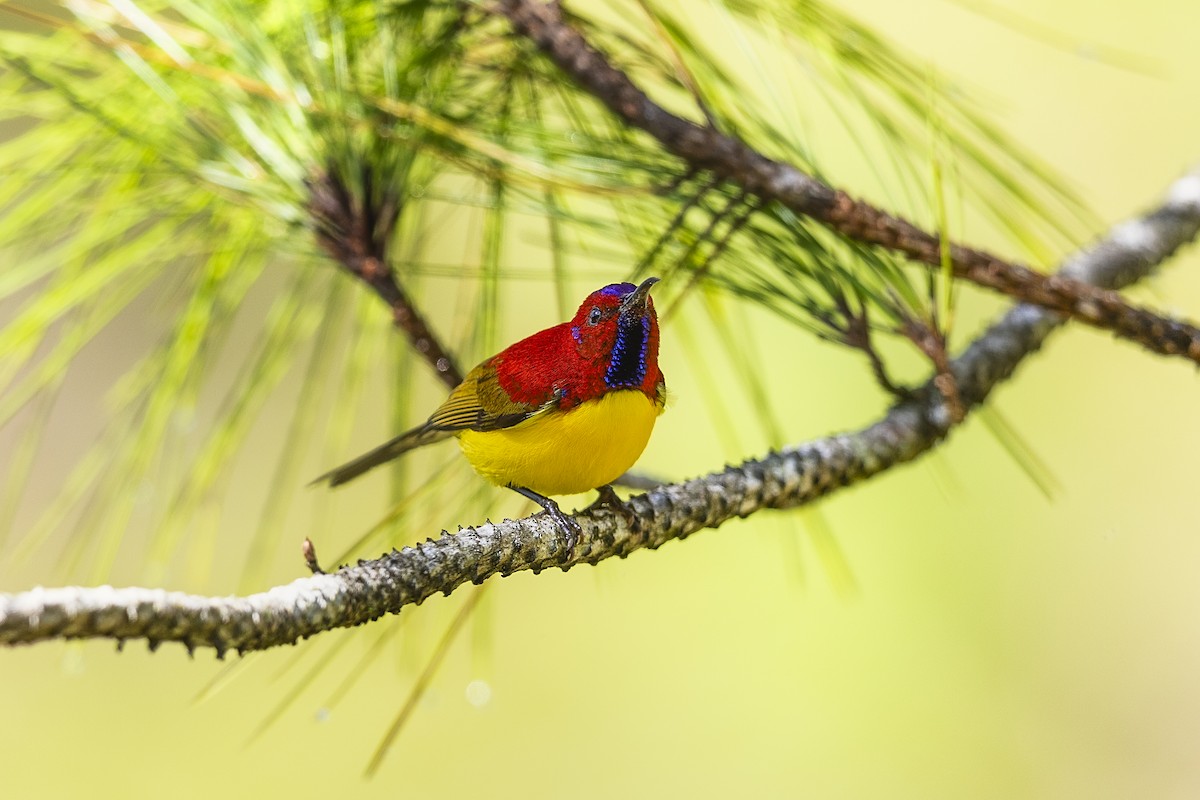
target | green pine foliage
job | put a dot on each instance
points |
(160, 157)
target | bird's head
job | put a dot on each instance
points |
(616, 328)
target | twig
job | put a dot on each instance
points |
(796, 476)
(355, 231)
(856, 332)
(705, 147)
(309, 551)
(932, 343)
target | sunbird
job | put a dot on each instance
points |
(566, 410)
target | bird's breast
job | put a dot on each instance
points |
(566, 451)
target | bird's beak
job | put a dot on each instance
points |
(635, 302)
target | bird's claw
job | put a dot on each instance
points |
(569, 528)
(611, 500)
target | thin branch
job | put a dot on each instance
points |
(798, 475)
(932, 343)
(855, 330)
(355, 231)
(706, 148)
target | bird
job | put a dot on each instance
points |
(566, 410)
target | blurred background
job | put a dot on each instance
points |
(976, 624)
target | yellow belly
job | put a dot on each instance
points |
(566, 452)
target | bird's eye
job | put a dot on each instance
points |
(594, 315)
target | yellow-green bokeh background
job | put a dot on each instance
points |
(999, 644)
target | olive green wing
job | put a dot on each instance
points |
(479, 403)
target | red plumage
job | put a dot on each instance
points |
(571, 359)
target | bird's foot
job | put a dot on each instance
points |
(568, 527)
(609, 499)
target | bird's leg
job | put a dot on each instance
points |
(609, 499)
(569, 527)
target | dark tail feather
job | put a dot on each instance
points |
(397, 447)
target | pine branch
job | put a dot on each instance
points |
(730, 158)
(356, 229)
(798, 475)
